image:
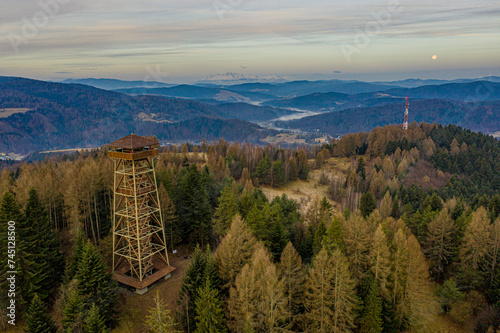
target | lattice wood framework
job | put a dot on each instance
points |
(139, 250)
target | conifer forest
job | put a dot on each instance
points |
(386, 231)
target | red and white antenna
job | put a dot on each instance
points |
(405, 124)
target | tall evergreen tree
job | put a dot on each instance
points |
(42, 261)
(37, 319)
(73, 313)
(193, 206)
(318, 237)
(440, 243)
(367, 204)
(170, 219)
(95, 284)
(209, 310)
(76, 258)
(333, 238)
(9, 211)
(227, 209)
(278, 176)
(371, 321)
(188, 294)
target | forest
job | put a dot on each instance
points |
(407, 237)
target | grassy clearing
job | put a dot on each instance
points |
(303, 191)
(5, 113)
(285, 138)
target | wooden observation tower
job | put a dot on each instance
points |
(139, 250)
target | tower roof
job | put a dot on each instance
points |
(132, 141)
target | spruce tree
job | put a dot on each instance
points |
(278, 177)
(170, 219)
(94, 321)
(9, 211)
(333, 238)
(193, 206)
(188, 294)
(37, 319)
(95, 284)
(74, 262)
(209, 310)
(226, 211)
(42, 262)
(439, 246)
(371, 321)
(73, 312)
(318, 237)
(367, 204)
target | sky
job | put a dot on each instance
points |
(184, 41)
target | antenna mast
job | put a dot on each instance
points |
(405, 124)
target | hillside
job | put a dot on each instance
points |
(45, 115)
(480, 116)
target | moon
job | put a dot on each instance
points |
(434, 57)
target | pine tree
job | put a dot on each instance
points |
(330, 297)
(209, 310)
(95, 284)
(293, 277)
(234, 251)
(440, 243)
(37, 319)
(371, 321)
(227, 209)
(94, 321)
(159, 320)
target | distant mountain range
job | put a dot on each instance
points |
(477, 116)
(112, 84)
(236, 78)
(48, 115)
(45, 115)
